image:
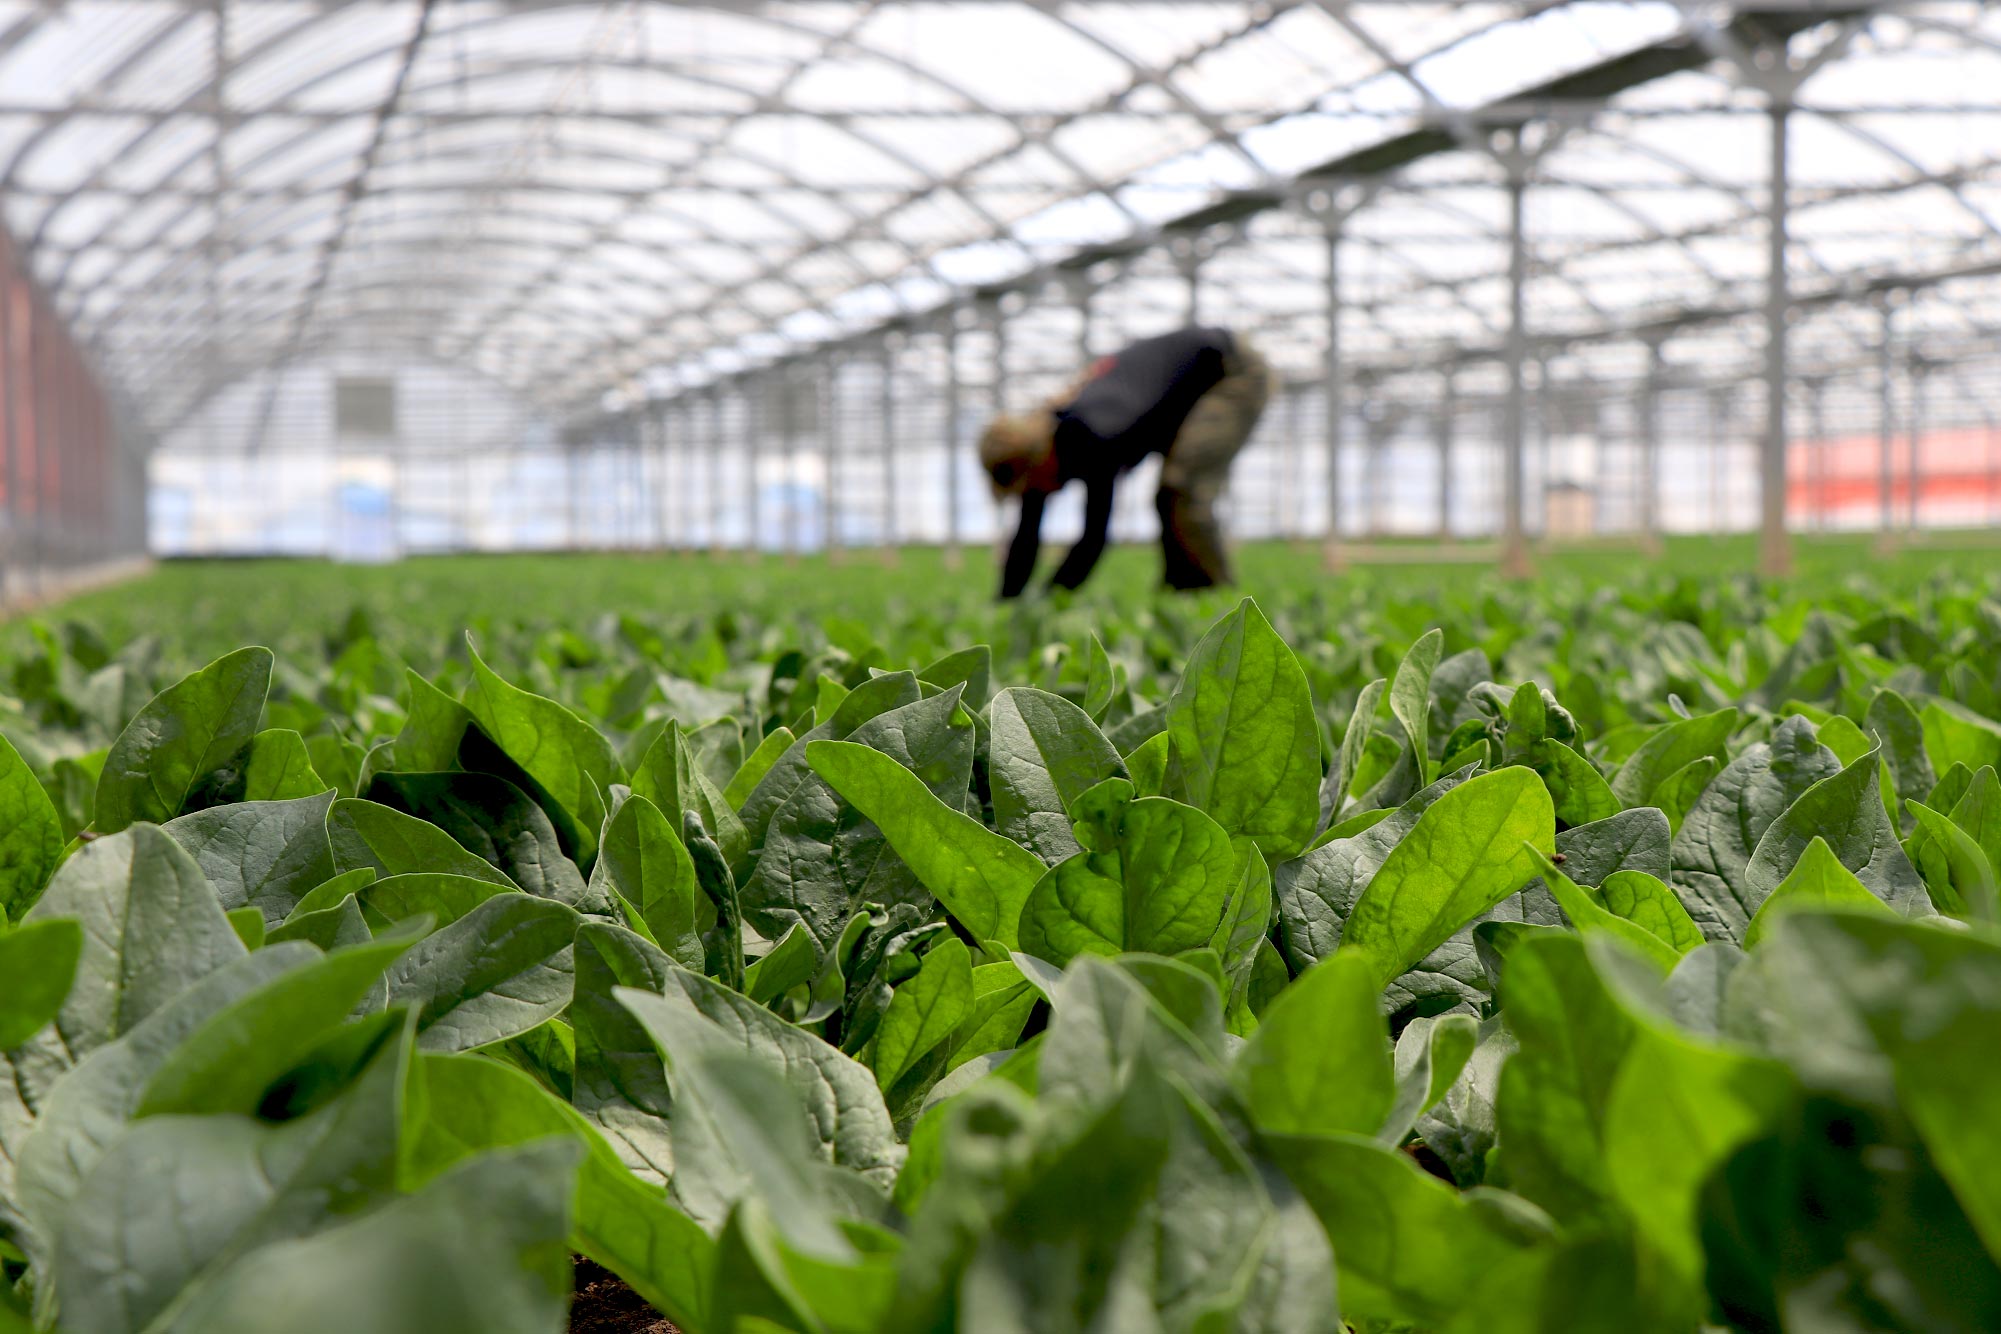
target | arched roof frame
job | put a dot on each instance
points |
(83, 269)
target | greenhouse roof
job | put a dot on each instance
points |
(593, 203)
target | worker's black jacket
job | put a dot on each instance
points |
(1132, 406)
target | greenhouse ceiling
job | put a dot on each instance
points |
(593, 202)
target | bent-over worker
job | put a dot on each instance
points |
(1192, 396)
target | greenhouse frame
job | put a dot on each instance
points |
(365, 278)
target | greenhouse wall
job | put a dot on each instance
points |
(72, 472)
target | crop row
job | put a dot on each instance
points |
(1560, 980)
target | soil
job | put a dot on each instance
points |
(605, 1305)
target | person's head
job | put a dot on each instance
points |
(1016, 451)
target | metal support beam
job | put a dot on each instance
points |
(889, 429)
(955, 448)
(793, 386)
(1886, 416)
(830, 447)
(714, 448)
(1515, 563)
(1816, 410)
(1081, 289)
(1448, 412)
(1914, 467)
(1650, 444)
(1332, 558)
(750, 419)
(1775, 553)
(1189, 261)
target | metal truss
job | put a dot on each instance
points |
(584, 200)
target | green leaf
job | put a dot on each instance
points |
(226, 1064)
(1635, 840)
(481, 1248)
(924, 1012)
(1317, 893)
(1002, 1000)
(433, 729)
(474, 1105)
(1245, 748)
(185, 733)
(1680, 790)
(1409, 1247)
(1155, 876)
(971, 667)
(389, 842)
(1943, 1066)
(85, 1101)
(248, 924)
(1848, 741)
(1320, 1058)
(1721, 831)
(1354, 741)
(1147, 765)
(179, 1205)
(1469, 850)
(1044, 753)
(1550, 1106)
(1675, 1113)
(1410, 695)
(493, 974)
(1955, 734)
(151, 927)
(1897, 726)
(1431, 1053)
(276, 767)
(865, 702)
(1591, 917)
(1646, 901)
(671, 778)
(981, 877)
(1978, 812)
(31, 836)
(1672, 748)
(1578, 792)
(1970, 875)
(492, 819)
(261, 854)
(790, 962)
(752, 771)
(38, 962)
(444, 898)
(1817, 880)
(568, 757)
(849, 1123)
(620, 1086)
(643, 860)
(1847, 809)
(823, 859)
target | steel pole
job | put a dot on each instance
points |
(753, 419)
(1650, 446)
(1515, 563)
(1775, 554)
(955, 448)
(830, 445)
(1330, 394)
(888, 447)
(1915, 468)
(712, 474)
(1886, 419)
(1448, 410)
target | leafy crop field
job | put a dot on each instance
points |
(761, 946)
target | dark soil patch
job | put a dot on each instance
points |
(605, 1305)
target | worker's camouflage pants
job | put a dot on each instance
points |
(1197, 469)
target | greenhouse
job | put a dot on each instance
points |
(554, 776)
